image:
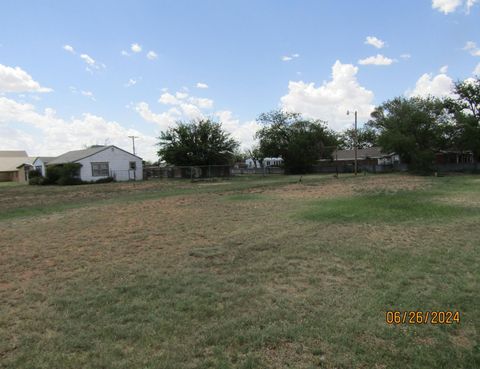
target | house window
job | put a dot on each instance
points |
(133, 165)
(38, 168)
(100, 169)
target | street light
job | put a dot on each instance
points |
(354, 140)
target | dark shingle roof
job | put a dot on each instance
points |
(45, 159)
(76, 155)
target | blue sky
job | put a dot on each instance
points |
(65, 83)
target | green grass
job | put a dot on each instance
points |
(388, 207)
(198, 276)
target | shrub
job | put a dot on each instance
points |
(63, 174)
(105, 180)
(36, 180)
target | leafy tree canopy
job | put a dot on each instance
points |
(415, 128)
(198, 142)
(299, 141)
(366, 137)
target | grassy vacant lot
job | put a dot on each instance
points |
(246, 273)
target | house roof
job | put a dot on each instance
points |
(76, 155)
(11, 164)
(45, 159)
(362, 154)
(13, 154)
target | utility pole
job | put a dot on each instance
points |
(133, 142)
(355, 143)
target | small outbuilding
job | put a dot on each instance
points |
(99, 162)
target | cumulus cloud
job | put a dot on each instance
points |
(379, 59)
(17, 80)
(450, 6)
(375, 42)
(444, 69)
(201, 85)
(440, 85)
(163, 120)
(69, 48)
(406, 56)
(332, 99)
(242, 132)
(185, 102)
(186, 107)
(152, 55)
(136, 48)
(48, 134)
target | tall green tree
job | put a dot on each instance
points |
(465, 107)
(300, 142)
(415, 128)
(366, 137)
(198, 142)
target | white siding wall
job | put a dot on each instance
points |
(39, 162)
(118, 163)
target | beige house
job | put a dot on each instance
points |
(14, 166)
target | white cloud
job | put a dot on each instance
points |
(152, 55)
(125, 53)
(440, 85)
(406, 56)
(375, 42)
(201, 85)
(136, 48)
(446, 6)
(87, 59)
(17, 80)
(48, 134)
(376, 60)
(187, 107)
(201, 102)
(287, 58)
(332, 99)
(476, 71)
(242, 132)
(444, 69)
(91, 63)
(472, 48)
(168, 99)
(88, 94)
(163, 120)
(69, 49)
(470, 3)
(450, 6)
(131, 82)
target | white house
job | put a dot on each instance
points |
(40, 164)
(267, 162)
(103, 161)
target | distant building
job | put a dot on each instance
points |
(103, 161)
(14, 166)
(266, 162)
(40, 164)
(368, 156)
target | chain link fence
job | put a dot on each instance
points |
(193, 172)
